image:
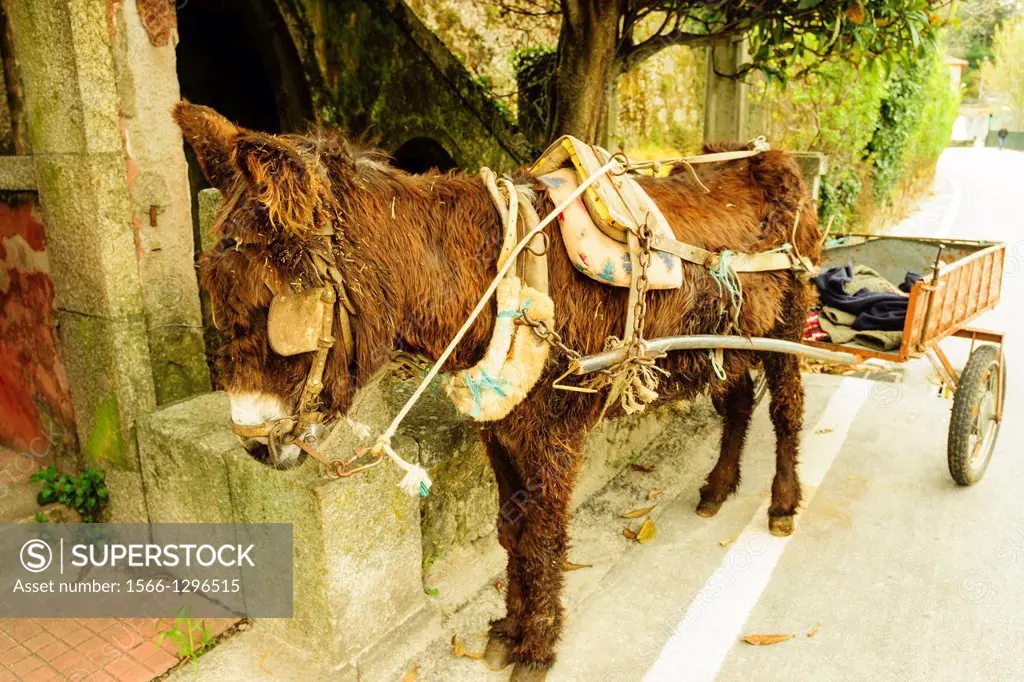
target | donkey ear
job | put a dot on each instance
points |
(212, 137)
(291, 191)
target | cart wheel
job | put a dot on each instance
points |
(973, 427)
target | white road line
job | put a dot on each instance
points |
(946, 225)
(715, 618)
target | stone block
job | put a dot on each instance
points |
(357, 550)
(64, 56)
(813, 165)
(182, 449)
(90, 240)
(107, 363)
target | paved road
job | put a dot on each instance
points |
(909, 576)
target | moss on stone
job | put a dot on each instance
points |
(105, 445)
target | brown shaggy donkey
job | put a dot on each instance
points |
(416, 252)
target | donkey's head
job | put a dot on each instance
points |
(284, 366)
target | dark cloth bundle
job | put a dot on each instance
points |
(876, 303)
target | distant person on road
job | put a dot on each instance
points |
(1003, 132)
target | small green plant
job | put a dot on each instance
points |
(190, 636)
(41, 517)
(86, 492)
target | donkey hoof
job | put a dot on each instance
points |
(781, 526)
(526, 673)
(707, 508)
(498, 653)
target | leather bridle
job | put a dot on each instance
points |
(293, 429)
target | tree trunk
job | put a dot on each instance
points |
(587, 70)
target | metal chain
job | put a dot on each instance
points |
(546, 333)
(642, 284)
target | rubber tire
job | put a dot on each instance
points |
(969, 392)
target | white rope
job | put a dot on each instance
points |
(416, 480)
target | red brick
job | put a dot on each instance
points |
(71, 662)
(129, 670)
(7, 677)
(48, 653)
(44, 674)
(100, 650)
(19, 630)
(159, 661)
(6, 642)
(43, 639)
(25, 666)
(96, 624)
(99, 676)
(58, 627)
(76, 635)
(13, 655)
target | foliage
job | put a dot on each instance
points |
(914, 122)
(975, 25)
(1005, 77)
(86, 492)
(191, 637)
(879, 128)
(782, 34)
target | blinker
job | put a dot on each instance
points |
(295, 321)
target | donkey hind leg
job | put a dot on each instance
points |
(512, 500)
(782, 371)
(735, 406)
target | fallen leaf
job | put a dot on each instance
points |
(459, 649)
(637, 513)
(570, 566)
(646, 532)
(764, 640)
(645, 468)
(728, 541)
(628, 532)
(412, 674)
(654, 493)
(829, 429)
(499, 584)
(263, 661)
(813, 631)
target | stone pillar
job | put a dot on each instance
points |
(147, 85)
(813, 165)
(63, 51)
(725, 99)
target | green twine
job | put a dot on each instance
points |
(716, 365)
(727, 280)
(477, 386)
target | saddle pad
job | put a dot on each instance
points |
(597, 255)
(615, 200)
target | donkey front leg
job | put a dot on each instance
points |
(512, 506)
(782, 371)
(734, 405)
(542, 550)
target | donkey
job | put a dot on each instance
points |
(416, 251)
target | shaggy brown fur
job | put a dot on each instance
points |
(417, 251)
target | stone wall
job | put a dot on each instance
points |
(373, 68)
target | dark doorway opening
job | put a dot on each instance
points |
(421, 154)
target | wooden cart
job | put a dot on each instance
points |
(964, 280)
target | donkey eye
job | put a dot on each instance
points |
(227, 243)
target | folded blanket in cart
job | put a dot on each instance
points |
(859, 305)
